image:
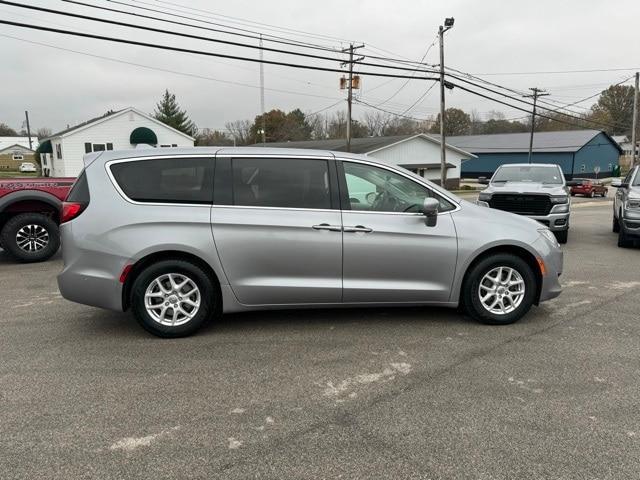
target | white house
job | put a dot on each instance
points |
(61, 154)
(419, 153)
(6, 142)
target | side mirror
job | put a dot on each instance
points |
(430, 211)
(483, 180)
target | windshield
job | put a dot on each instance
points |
(636, 182)
(526, 173)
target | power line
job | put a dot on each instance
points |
(254, 35)
(244, 21)
(195, 52)
(198, 37)
(158, 30)
(560, 71)
(406, 82)
(600, 124)
(388, 111)
(160, 69)
(251, 34)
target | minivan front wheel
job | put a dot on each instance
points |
(173, 298)
(499, 289)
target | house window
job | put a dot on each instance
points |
(18, 156)
(583, 168)
(174, 145)
(58, 150)
(97, 147)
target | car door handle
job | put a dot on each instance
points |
(358, 228)
(326, 226)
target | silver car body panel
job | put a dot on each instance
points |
(274, 258)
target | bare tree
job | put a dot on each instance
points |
(240, 130)
(43, 132)
(375, 122)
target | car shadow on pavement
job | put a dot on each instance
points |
(99, 322)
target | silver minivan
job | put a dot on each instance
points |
(183, 235)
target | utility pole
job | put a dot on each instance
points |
(536, 93)
(263, 126)
(351, 61)
(26, 114)
(634, 136)
(448, 24)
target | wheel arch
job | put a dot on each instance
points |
(163, 255)
(516, 250)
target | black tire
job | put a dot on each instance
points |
(209, 298)
(624, 241)
(616, 224)
(25, 221)
(470, 289)
(562, 236)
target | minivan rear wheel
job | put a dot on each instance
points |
(173, 298)
(499, 289)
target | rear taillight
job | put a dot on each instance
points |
(71, 210)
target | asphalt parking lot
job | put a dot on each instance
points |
(353, 394)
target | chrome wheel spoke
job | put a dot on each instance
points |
(501, 290)
(32, 238)
(167, 304)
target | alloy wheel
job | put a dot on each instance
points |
(501, 290)
(172, 299)
(32, 238)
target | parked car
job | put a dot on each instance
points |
(183, 236)
(626, 208)
(30, 210)
(588, 187)
(27, 167)
(537, 191)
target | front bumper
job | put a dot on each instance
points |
(631, 222)
(555, 221)
(553, 259)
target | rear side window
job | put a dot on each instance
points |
(167, 180)
(80, 190)
(281, 182)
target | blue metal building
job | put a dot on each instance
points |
(580, 153)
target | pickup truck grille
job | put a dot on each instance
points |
(521, 204)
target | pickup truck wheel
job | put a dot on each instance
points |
(30, 237)
(499, 289)
(624, 241)
(173, 298)
(616, 224)
(562, 236)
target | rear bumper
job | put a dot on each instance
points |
(89, 277)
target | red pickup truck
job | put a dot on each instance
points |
(30, 212)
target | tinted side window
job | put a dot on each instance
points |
(376, 189)
(281, 182)
(167, 180)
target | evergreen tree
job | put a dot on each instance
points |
(168, 111)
